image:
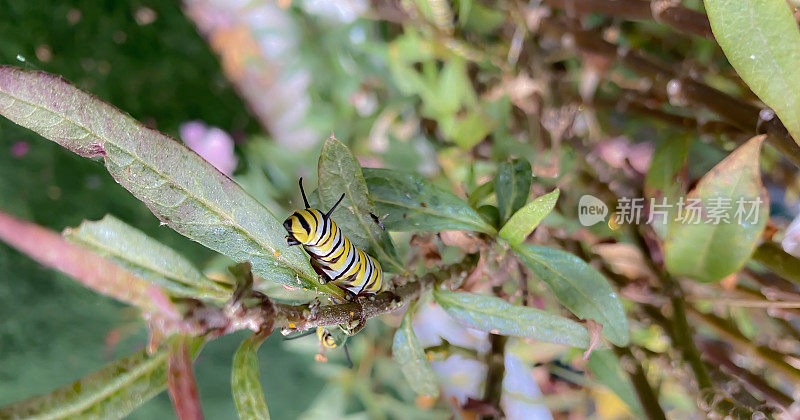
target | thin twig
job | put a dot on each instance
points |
(718, 355)
(744, 115)
(647, 397)
(732, 334)
(663, 11)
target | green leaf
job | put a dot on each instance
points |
(762, 42)
(245, 380)
(525, 220)
(606, 368)
(513, 186)
(709, 251)
(666, 177)
(412, 203)
(495, 315)
(183, 190)
(469, 130)
(145, 257)
(481, 192)
(112, 392)
(414, 363)
(451, 90)
(579, 287)
(339, 172)
(490, 214)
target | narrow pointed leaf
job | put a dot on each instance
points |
(762, 42)
(414, 363)
(245, 381)
(525, 220)
(495, 315)
(178, 186)
(410, 203)
(579, 287)
(480, 193)
(112, 392)
(181, 383)
(715, 248)
(512, 186)
(90, 269)
(145, 257)
(340, 172)
(606, 368)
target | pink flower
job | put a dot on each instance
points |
(20, 149)
(212, 143)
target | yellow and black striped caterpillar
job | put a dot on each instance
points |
(333, 256)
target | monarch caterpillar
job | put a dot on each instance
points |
(333, 256)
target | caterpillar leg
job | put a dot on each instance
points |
(322, 278)
(356, 324)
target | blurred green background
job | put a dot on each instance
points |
(53, 330)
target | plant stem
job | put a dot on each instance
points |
(718, 355)
(266, 314)
(495, 362)
(647, 397)
(666, 12)
(736, 338)
(747, 117)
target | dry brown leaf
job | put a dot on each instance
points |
(427, 249)
(595, 328)
(467, 241)
(625, 259)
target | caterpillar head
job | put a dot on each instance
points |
(303, 227)
(307, 226)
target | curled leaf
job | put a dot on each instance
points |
(595, 329)
(245, 381)
(414, 363)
